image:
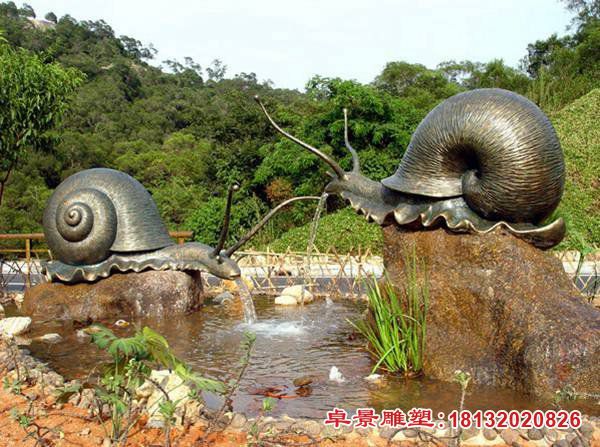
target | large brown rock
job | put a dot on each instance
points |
(501, 309)
(150, 293)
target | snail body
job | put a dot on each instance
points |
(481, 159)
(100, 221)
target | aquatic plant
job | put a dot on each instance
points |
(395, 326)
(133, 359)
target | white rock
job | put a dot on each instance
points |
(14, 326)
(286, 300)
(121, 323)
(299, 292)
(374, 378)
(335, 375)
(174, 386)
(82, 334)
(50, 338)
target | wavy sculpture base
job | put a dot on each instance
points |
(187, 257)
(453, 213)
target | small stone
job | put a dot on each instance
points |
(14, 326)
(509, 435)
(106, 442)
(299, 292)
(551, 434)
(374, 378)
(87, 398)
(535, 434)
(310, 427)
(587, 430)
(410, 433)
(561, 443)
(490, 434)
(469, 433)
(238, 420)
(387, 432)
(82, 334)
(364, 432)
(86, 431)
(50, 338)
(303, 381)
(224, 297)
(286, 300)
(576, 442)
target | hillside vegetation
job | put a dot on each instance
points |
(578, 127)
(188, 131)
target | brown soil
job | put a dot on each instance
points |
(66, 425)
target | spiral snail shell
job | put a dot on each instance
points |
(481, 159)
(99, 211)
(100, 221)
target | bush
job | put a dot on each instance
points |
(579, 134)
(345, 230)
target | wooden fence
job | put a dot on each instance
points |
(328, 272)
(30, 266)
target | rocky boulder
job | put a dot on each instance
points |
(146, 294)
(502, 310)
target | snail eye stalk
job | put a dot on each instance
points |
(355, 159)
(226, 219)
(339, 172)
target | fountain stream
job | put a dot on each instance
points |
(247, 303)
(311, 239)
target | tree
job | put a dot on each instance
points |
(51, 17)
(472, 75)
(216, 71)
(33, 97)
(422, 87)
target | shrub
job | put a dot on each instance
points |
(344, 230)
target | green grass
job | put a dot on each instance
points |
(395, 326)
(578, 128)
(344, 230)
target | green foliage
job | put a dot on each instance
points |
(422, 87)
(345, 230)
(395, 326)
(206, 221)
(133, 359)
(472, 75)
(579, 133)
(33, 97)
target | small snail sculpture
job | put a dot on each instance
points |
(101, 221)
(480, 160)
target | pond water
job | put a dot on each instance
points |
(290, 342)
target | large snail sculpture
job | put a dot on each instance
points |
(100, 221)
(480, 160)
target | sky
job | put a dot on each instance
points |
(289, 41)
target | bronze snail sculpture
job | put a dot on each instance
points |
(99, 221)
(481, 159)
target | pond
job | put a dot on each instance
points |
(290, 342)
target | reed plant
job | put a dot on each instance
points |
(395, 325)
